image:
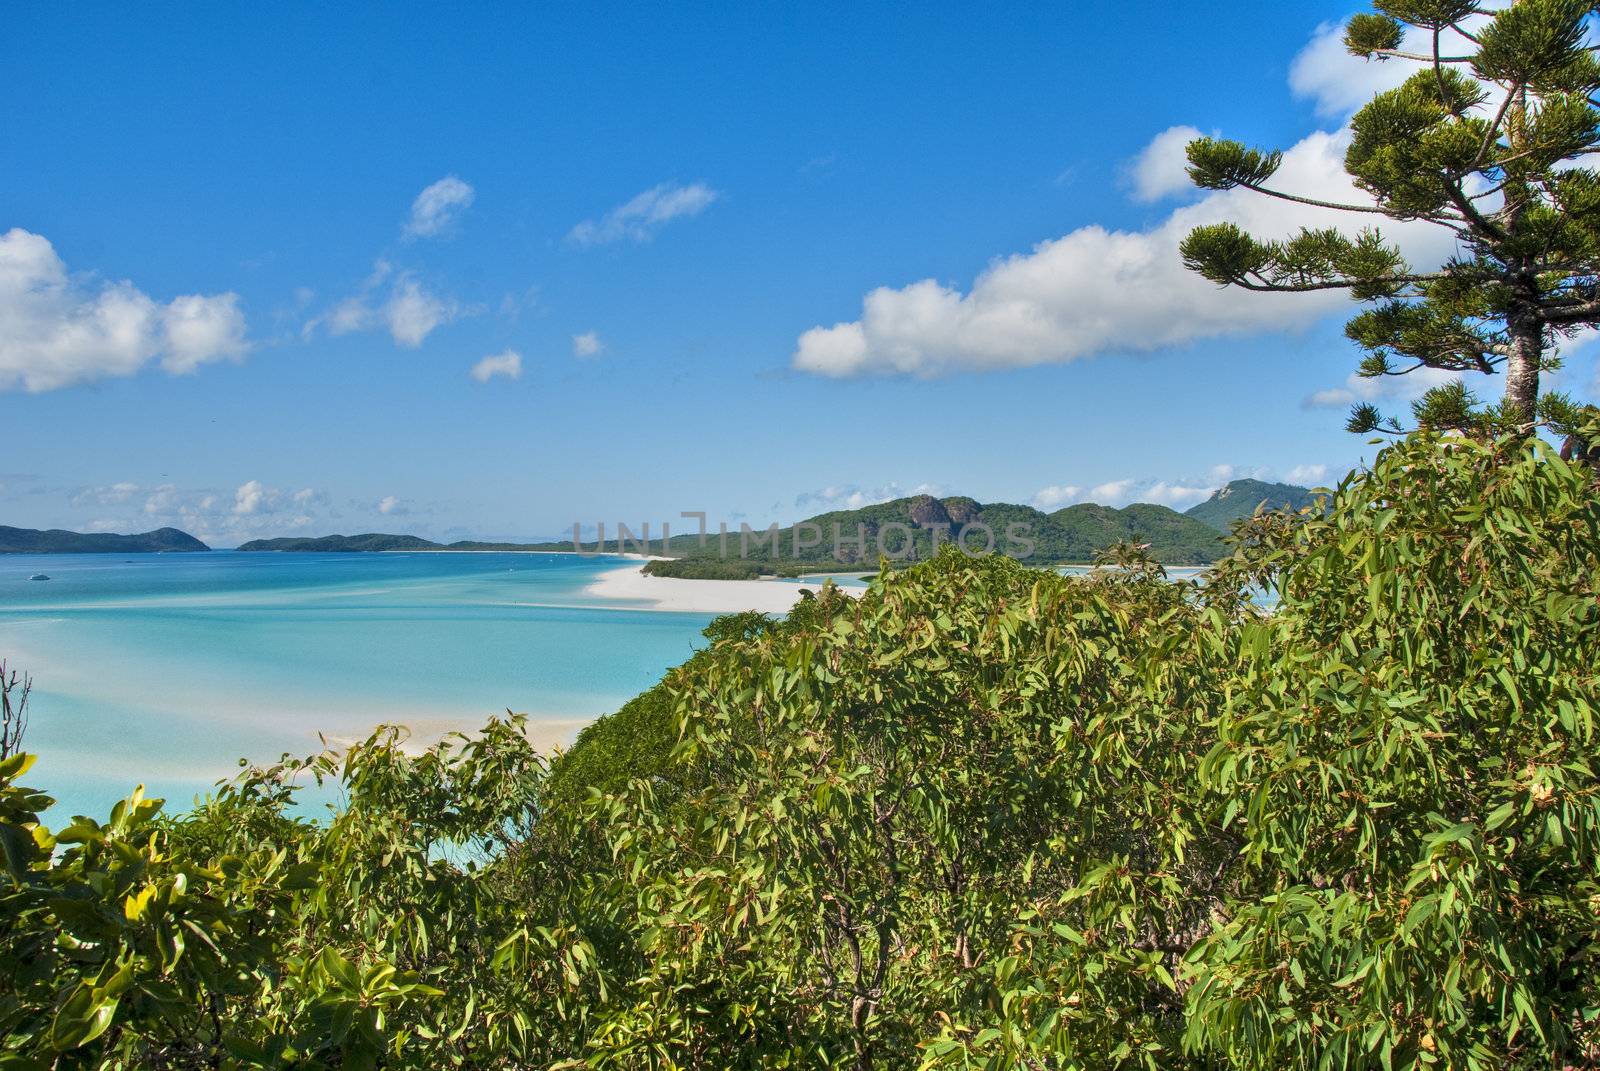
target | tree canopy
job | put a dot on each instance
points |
(1489, 139)
(982, 816)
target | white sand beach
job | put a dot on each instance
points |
(628, 584)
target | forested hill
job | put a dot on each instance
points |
(1240, 498)
(1073, 534)
(331, 543)
(59, 541)
(379, 541)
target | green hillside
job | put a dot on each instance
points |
(1240, 498)
(910, 528)
(368, 541)
(57, 541)
(378, 541)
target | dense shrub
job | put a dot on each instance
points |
(980, 816)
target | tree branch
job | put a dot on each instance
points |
(1267, 286)
(1313, 201)
(1394, 53)
(1572, 314)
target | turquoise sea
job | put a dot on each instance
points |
(166, 669)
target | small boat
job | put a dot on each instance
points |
(38, 576)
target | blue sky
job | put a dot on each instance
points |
(748, 259)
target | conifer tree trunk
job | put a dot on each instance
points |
(1525, 342)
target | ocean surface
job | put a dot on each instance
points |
(166, 669)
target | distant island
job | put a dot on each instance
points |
(59, 541)
(911, 526)
(380, 541)
(1066, 537)
(1072, 535)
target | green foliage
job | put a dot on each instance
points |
(704, 569)
(1365, 35)
(981, 816)
(1215, 164)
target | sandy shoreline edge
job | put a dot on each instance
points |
(674, 595)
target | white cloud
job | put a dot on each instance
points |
(409, 311)
(1338, 83)
(350, 315)
(639, 218)
(1178, 494)
(853, 496)
(249, 497)
(1160, 170)
(508, 364)
(390, 506)
(437, 207)
(56, 330)
(1307, 475)
(110, 495)
(1096, 291)
(1053, 498)
(219, 518)
(201, 329)
(161, 499)
(1404, 388)
(412, 313)
(1110, 493)
(587, 344)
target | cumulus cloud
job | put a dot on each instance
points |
(1178, 494)
(1056, 496)
(225, 518)
(56, 330)
(1406, 388)
(393, 301)
(1095, 291)
(854, 496)
(638, 219)
(587, 344)
(412, 312)
(249, 497)
(436, 208)
(1339, 83)
(110, 495)
(201, 329)
(508, 364)
(1307, 475)
(1160, 170)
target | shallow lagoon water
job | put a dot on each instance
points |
(167, 668)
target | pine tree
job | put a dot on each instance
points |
(1487, 139)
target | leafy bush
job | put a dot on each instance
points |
(981, 816)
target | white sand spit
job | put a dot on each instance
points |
(628, 584)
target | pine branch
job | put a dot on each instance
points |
(1314, 202)
(1266, 285)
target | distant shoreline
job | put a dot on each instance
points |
(674, 595)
